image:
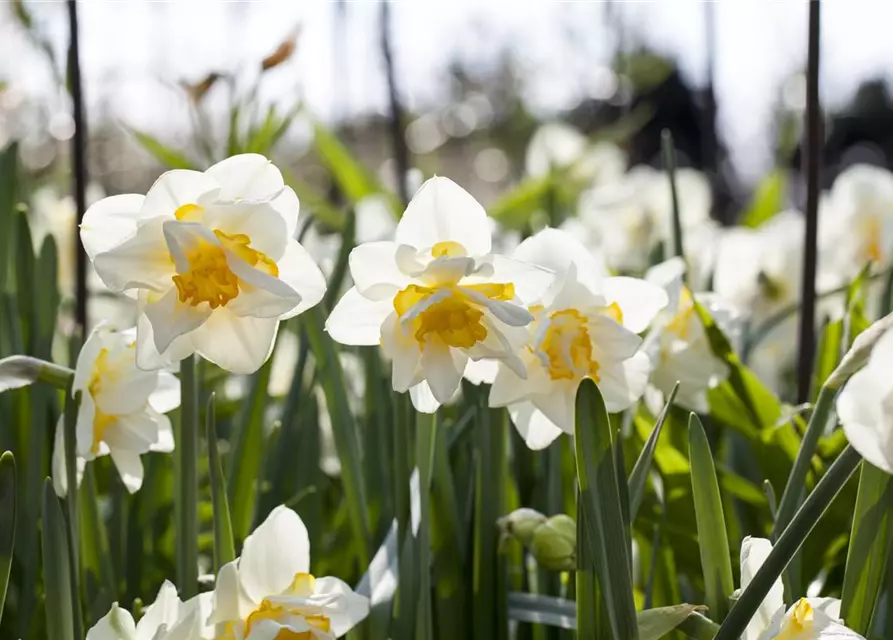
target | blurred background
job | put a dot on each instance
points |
(474, 80)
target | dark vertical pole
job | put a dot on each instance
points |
(813, 152)
(79, 164)
(398, 139)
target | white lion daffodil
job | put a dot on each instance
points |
(213, 258)
(586, 326)
(165, 619)
(121, 411)
(806, 619)
(269, 593)
(436, 298)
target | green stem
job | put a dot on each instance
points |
(186, 503)
(425, 461)
(669, 154)
(788, 543)
(69, 424)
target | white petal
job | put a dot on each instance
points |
(128, 391)
(509, 388)
(532, 424)
(141, 262)
(176, 188)
(356, 320)
(442, 367)
(530, 281)
(288, 206)
(423, 399)
(110, 222)
(117, 624)
(299, 271)
(171, 318)
(164, 611)
(374, 219)
(260, 294)
(622, 384)
(611, 341)
(481, 371)
(134, 433)
(248, 176)
(271, 556)
(754, 552)
(147, 356)
(182, 238)
(510, 313)
(166, 396)
(347, 608)
(558, 406)
(374, 269)
(164, 442)
(264, 226)
(86, 362)
(556, 250)
(401, 348)
(129, 467)
(60, 470)
(84, 428)
(229, 603)
(640, 301)
(442, 211)
(864, 408)
(238, 345)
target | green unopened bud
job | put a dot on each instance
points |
(554, 543)
(520, 524)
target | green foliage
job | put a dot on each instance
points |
(768, 199)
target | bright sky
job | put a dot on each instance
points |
(133, 50)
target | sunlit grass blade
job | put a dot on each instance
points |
(714, 544)
(186, 500)
(56, 578)
(344, 430)
(425, 442)
(789, 542)
(586, 596)
(869, 551)
(69, 424)
(669, 156)
(8, 506)
(601, 510)
(639, 474)
(169, 157)
(224, 548)
(247, 455)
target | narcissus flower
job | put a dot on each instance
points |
(121, 410)
(165, 619)
(213, 258)
(585, 326)
(268, 592)
(806, 619)
(678, 344)
(435, 297)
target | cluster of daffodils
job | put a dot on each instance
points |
(266, 593)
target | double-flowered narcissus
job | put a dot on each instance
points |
(166, 619)
(585, 326)
(269, 593)
(436, 298)
(121, 410)
(213, 258)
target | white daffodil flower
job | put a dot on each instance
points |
(268, 592)
(585, 326)
(677, 343)
(165, 619)
(556, 145)
(806, 619)
(435, 297)
(121, 410)
(213, 258)
(865, 407)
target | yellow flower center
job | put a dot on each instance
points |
(681, 322)
(871, 231)
(101, 421)
(209, 278)
(457, 320)
(566, 348)
(303, 585)
(799, 622)
(189, 213)
(449, 249)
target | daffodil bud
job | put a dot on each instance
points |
(554, 543)
(521, 524)
(858, 355)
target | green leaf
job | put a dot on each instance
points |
(768, 199)
(715, 559)
(425, 441)
(69, 440)
(669, 155)
(654, 624)
(56, 576)
(869, 550)
(788, 543)
(95, 554)
(639, 474)
(600, 506)
(7, 520)
(224, 547)
(186, 481)
(316, 203)
(170, 158)
(8, 197)
(515, 206)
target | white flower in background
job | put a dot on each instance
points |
(556, 145)
(435, 298)
(268, 593)
(585, 326)
(865, 407)
(214, 259)
(121, 410)
(677, 343)
(856, 220)
(165, 619)
(806, 619)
